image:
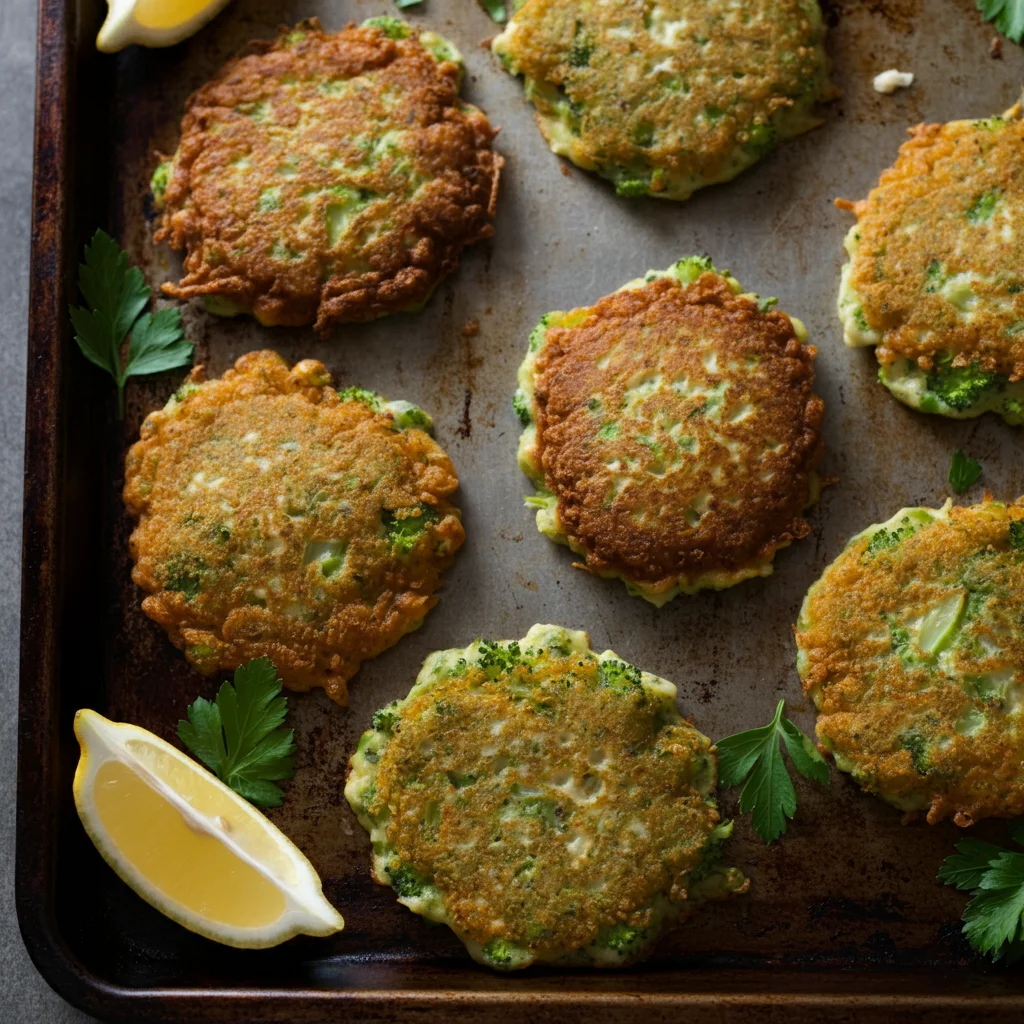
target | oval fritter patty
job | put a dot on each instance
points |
(328, 178)
(278, 517)
(912, 646)
(936, 272)
(672, 431)
(545, 802)
(664, 98)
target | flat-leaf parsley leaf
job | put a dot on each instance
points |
(117, 295)
(755, 756)
(240, 736)
(963, 471)
(994, 918)
(1006, 15)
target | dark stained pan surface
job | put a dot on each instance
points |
(844, 918)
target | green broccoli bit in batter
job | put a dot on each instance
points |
(497, 660)
(581, 50)
(917, 746)
(960, 386)
(385, 719)
(460, 780)
(521, 407)
(1017, 534)
(184, 574)
(158, 183)
(537, 334)
(405, 881)
(884, 539)
(983, 207)
(405, 415)
(623, 938)
(404, 531)
(631, 188)
(357, 394)
(619, 676)
(393, 28)
(761, 140)
(503, 953)
(609, 431)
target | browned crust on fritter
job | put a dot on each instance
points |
(868, 700)
(643, 534)
(646, 771)
(217, 463)
(402, 245)
(940, 173)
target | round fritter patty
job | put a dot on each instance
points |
(912, 646)
(545, 802)
(280, 517)
(328, 178)
(936, 272)
(664, 98)
(672, 431)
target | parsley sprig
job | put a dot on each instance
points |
(1006, 15)
(240, 736)
(963, 471)
(117, 294)
(755, 756)
(994, 876)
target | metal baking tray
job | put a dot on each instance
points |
(844, 917)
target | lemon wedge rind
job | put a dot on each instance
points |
(240, 835)
(154, 22)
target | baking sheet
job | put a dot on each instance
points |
(849, 887)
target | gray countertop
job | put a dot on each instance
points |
(24, 997)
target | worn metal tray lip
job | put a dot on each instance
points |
(786, 989)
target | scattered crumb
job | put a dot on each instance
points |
(889, 81)
(995, 49)
(471, 328)
(565, 170)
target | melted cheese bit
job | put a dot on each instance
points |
(889, 81)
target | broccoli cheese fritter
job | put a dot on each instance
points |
(328, 178)
(672, 431)
(663, 97)
(546, 802)
(936, 272)
(912, 647)
(279, 517)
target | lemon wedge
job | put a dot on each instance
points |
(189, 845)
(154, 22)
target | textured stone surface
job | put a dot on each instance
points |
(24, 996)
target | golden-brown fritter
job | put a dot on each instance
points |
(936, 272)
(911, 645)
(673, 432)
(547, 803)
(328, 178)
(666, 98)
(279, 518)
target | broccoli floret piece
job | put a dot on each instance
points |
(405, 415)
(761, 140)
(405, 880)
(537, 334)
(404, 526)
(502, 953)
(917, 746)
(357, 394)
(385, 719)
(960, 386)
(619, 676)
(393, 28)
(522, 408)
(496, 659)
(884, 539)
(983, 207)
(158, 183)
(631, 188)
(1017, 534)
(623, 938)
(184, 574)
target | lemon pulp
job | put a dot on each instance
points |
(190, 866)
(167, 13)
